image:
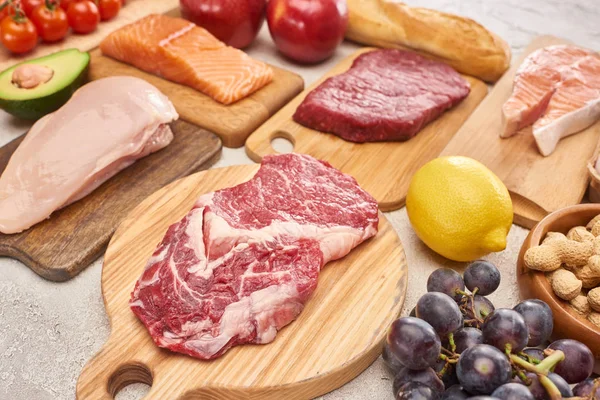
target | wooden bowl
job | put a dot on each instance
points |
(534, 284)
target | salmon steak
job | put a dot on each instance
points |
(557, 90)
(182, 52)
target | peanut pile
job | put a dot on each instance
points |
(572, 265)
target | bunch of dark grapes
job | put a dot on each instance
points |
(456, 345)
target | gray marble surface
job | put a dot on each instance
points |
(49, 330)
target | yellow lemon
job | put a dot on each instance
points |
(459, 208)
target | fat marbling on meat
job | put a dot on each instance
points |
(244, 261)
(105, 127)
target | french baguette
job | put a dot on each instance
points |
(460, 42)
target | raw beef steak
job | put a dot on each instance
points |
(386, 95)
(242, 263)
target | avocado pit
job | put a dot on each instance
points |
(29, 76)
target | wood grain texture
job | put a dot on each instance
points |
(538, 185)
(320, 351)
(233, 123)
(134, 10)
(63, 245)
(383, 169)
(534, 284)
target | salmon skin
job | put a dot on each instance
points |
(557, 90)
(182, 52)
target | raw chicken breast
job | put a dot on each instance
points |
(557, 89)
(105, 127)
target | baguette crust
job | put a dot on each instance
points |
(460, 42)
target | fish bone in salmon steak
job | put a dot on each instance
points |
(557, 90)
(244, 261)
(182, 52)
(105, 127)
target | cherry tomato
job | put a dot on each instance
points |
(51, 23)
(9, 9)
(83, 16)
(30, 5)
(18, 36)
(64, 4)
(109, 9)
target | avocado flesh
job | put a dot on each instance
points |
(70, 72)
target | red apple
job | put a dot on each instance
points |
(235, 22)
(307, 31)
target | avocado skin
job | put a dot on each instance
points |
(35, 109)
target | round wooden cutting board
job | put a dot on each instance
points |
(337, 336)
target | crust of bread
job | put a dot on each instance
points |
(460, 42)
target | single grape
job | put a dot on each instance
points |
(413, 312)
(425, 376)
(416, 391)
(390, 360)
(513, 391)
(441, 312)
(539, 320)
(479, 306)
(482, 275)
(465, 338)
(448, 377)
(414, 342)
(578, 363)
(561, 384)
(539, 392)
(505, 327)
(585, 388)
(534, 353)
(447, 281)
(483, 368)
(455, 392)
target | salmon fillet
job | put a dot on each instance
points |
(224, 73)
(182, 52)
(557, 90)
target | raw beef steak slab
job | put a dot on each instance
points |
(387, 95)
(242, 263)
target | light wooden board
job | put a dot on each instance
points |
(538, 185)
(133, 10)
(339, 333)
(233, 123)
(383, 169)
(63, 245)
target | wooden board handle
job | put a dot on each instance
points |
(262, 140)
(111, 369)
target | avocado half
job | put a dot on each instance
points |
(70, 72)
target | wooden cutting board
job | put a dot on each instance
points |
(382, 169)
(66, 243)
(133, 10)
(339, 333)
(233, 123)
(538, 185)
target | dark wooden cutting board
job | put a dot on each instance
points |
(63, 245)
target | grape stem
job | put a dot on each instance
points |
(451, 342)
(550, 387)
(542, 370)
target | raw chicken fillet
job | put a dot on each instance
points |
(244, 261)
(105, 127)
(557, 90)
